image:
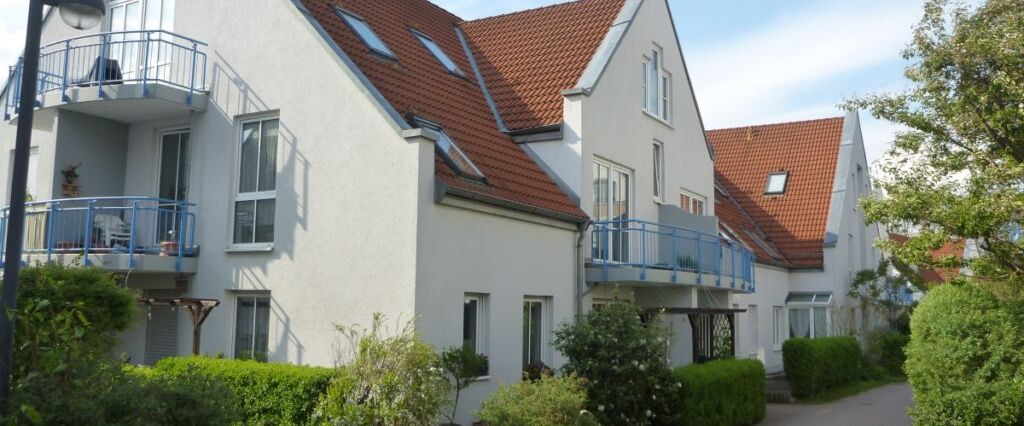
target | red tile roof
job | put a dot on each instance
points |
(527, 58)
(417, 84)
(743, 228)
(954, 247)
(794, 221)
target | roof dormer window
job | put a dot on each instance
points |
(776, 183)
(439, 54)
(450, 152)
(364, 32)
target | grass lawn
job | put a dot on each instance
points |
(851, 390)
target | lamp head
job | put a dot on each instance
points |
(80, 14)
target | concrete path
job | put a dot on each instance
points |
(884, 406)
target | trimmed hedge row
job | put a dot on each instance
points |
(267, 394)
(724, 392)
(816, 365)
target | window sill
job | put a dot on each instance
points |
(259, 248)
(482, 378)
(658, 119)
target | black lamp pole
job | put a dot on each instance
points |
(19, 181)
(80, 14)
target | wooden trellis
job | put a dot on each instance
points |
(198, 310)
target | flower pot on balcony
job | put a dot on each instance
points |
(168, 248)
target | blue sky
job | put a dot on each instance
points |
(751, 61)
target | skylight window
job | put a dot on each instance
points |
(364, 32)
(776, 183)
(450, 152)
(439, 54)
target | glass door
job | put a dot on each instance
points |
(611, 205)
(173, 183)
(129, 50)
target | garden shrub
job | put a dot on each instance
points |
(267, 393)
(815, 365)
(555, 401)
(723, 392)
(964, 359)
(622, 361)
(392, 379)
(886, 348)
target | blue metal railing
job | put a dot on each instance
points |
(144, 57)
(107, 225)
(648, 245)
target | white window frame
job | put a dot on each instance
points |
(663, 86)
(545, 326)
(482, 325)
(256, 195)
(810, 307)
(658, 154)
(778, 326)
(768, 183)
(693, 197)
(234, 319)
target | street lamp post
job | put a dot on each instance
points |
(80, 14)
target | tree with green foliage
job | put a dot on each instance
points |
(461, 365)
(879, 288)
(622, 359)
(958, 169)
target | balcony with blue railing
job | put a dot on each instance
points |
(166, 69)
(636, 251)
(114, 233)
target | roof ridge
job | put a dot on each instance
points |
(517, 12)
(783, 123)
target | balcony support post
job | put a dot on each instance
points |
(132, 236)
(50, 228)
(101, 70)
(87, 244)
(700, 262)
(718, 263)
(145, 64)
(64, 76)
(675, 257)
(192, 80)
(643, 251)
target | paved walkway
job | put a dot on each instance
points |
(884, 406)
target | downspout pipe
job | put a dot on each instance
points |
(580, 272)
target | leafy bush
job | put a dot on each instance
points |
(723, 392)
(623, 362)
(393, 379)
(461, 365)
(886, 348)
(267, 393)
(964, 359)
(556, 401)
(816, 365)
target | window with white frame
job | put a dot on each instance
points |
(692, 203)
(252, 326)
(256, 189)
(658, 149)
(776, 183)
(536, 331)
(808, 314)
(474, 325)
(778, 321)
(657, 86)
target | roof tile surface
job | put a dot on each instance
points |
(527, 58)
(794, 221)
(417, 84)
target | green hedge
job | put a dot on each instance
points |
(964, 359)
(724, 392)
(816, 365)
(888, 350)
(268, 394)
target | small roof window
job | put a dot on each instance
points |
(364, 32)
(450, 152)
(432, 46)
(776, 183)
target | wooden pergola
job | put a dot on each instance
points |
(198, 309)
(708, 326)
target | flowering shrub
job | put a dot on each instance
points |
(392, 379)
(555, 401)
(622, 361)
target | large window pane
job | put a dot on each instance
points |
(532, 332)
(245, 217)
(247, 168)
(820, 322)
(652, 87)
(244, 312)
(262, 335)
(268, 156)
(265, 221)
(799, 323)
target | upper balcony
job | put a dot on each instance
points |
(635, 251)
(119, 234)
(126, 76)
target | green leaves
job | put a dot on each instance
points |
(958, 170)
